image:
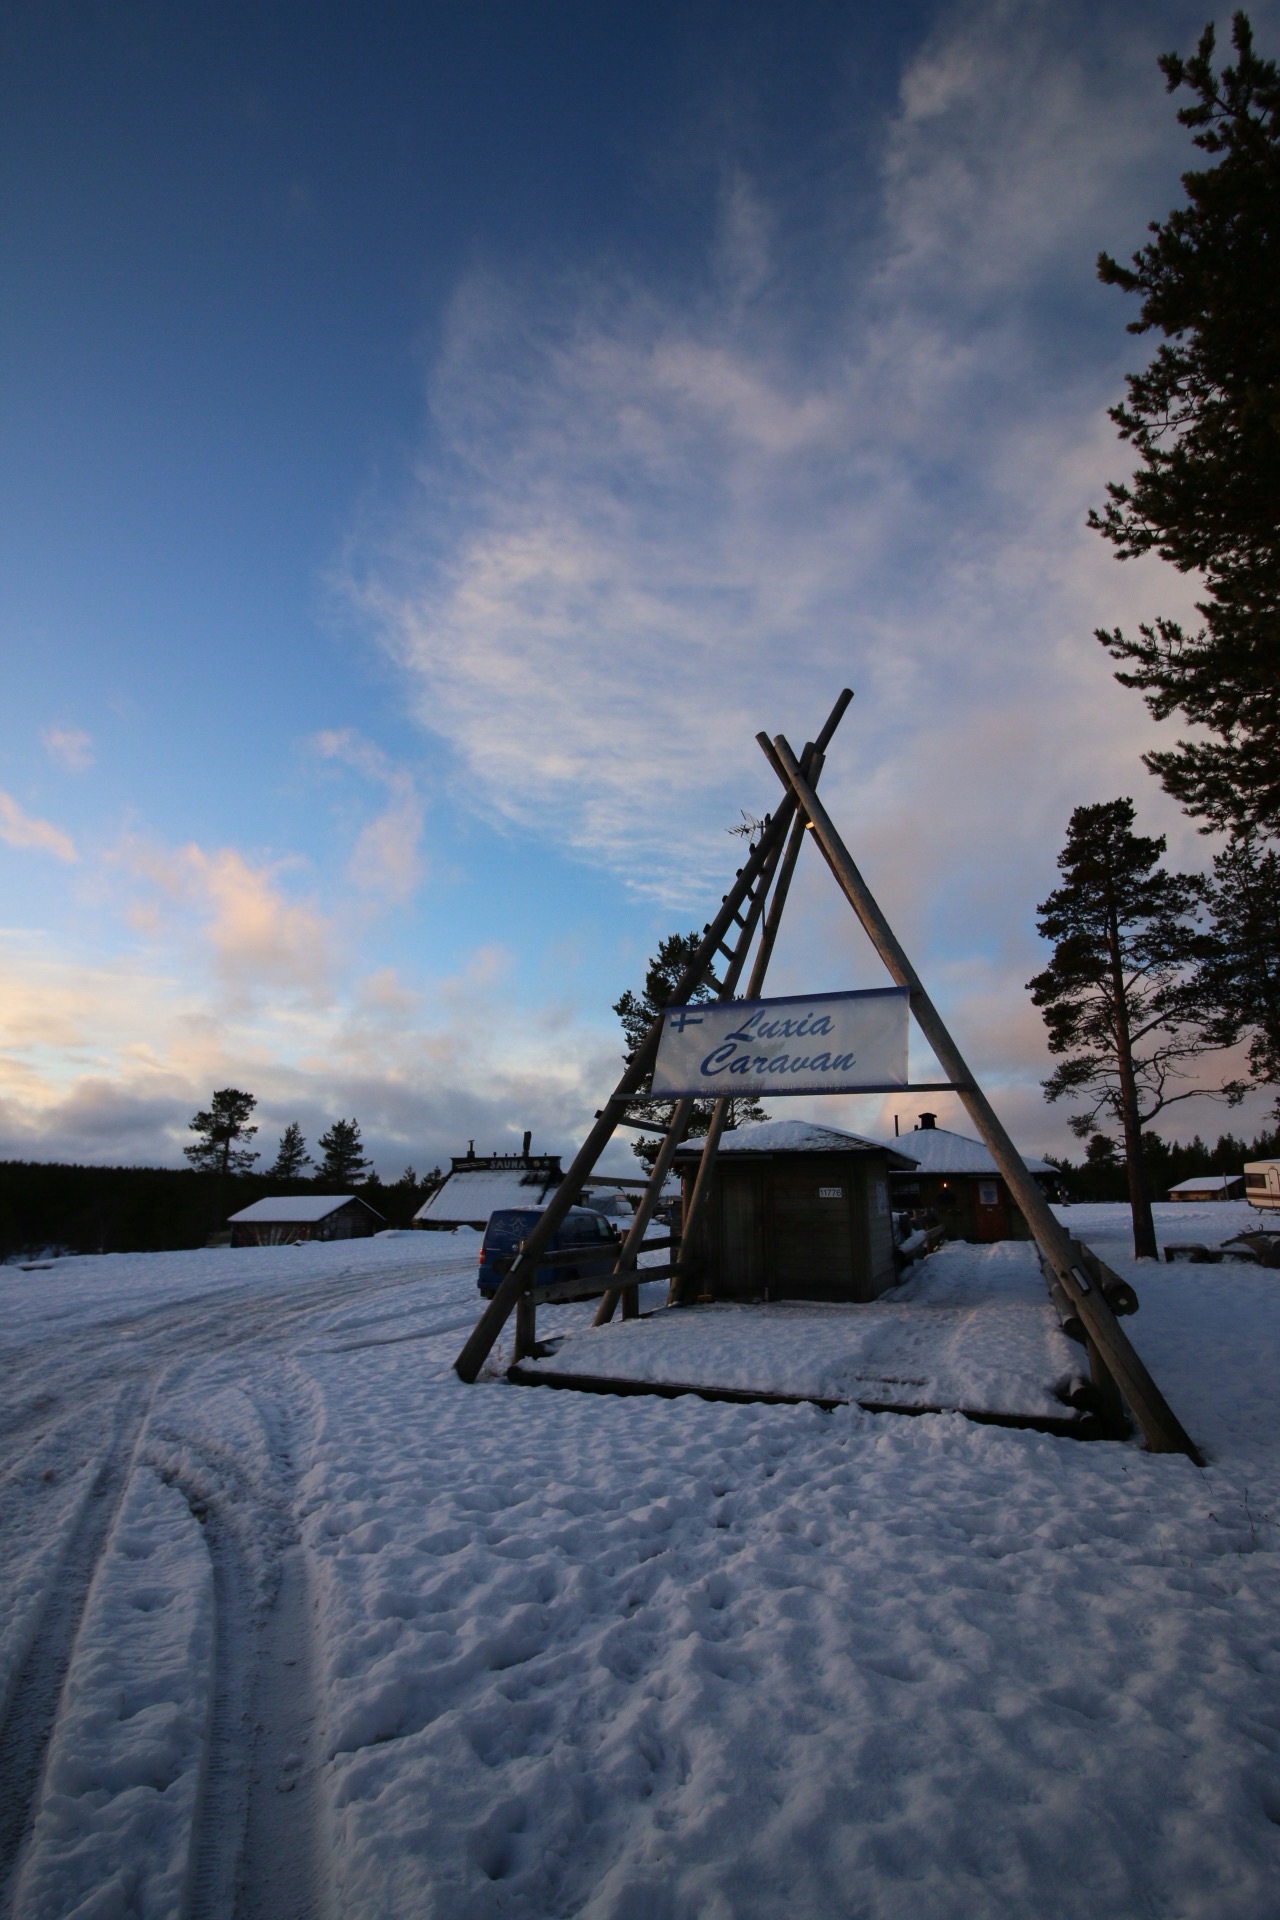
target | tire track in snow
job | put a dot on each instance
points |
(288, 1860)
(35, 1696)
(259, 1847)
(261, 1803)
(287, 1864)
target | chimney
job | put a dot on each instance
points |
(528, 1142)
(928, 1121)
(471, 1149)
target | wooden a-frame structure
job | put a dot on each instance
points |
(1085, 1292)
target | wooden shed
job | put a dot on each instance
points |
(287, 1218)
(1208, 1186)
(796, 1212)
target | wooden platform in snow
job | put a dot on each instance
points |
(971, 1333)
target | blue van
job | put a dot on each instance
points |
(581, 1227)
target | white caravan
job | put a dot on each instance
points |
(1262, 1184)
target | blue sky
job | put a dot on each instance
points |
(436, 439)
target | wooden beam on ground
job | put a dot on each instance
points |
(1161, 1429)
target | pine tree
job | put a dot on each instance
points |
(637, 1012)
(1242, 977)
(344, 1159)
(291, 1156)
(1120, 994)
(221, 1126)
(1204, 418)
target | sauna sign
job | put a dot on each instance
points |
(824, 1043)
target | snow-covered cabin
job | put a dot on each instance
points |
(284, 1218)
(957, 1179)
(795, 1212)
(1208, 1186)
(478, 1184)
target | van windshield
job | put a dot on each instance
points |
(507, 1229)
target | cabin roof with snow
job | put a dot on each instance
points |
(794, 1136)
(286, 1209)
(936, 1151)
(1209, 1183)
(476, 1187)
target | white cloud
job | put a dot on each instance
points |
(71, 747)
(258, 938)
(386, 861)
(649, 523)
(24, 830)
(107, 1062)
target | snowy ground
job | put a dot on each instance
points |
(296, 1624)
(970, 1328)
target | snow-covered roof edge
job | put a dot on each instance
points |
(794, 1136)
(473, 1193)
(937, 1150)
(289, 1207)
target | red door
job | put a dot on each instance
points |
(989, 1211)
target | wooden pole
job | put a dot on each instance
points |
(645, 1211)
(1160, 1426)
(812, 761)
(491, 1322)
(494, 1317)
(684, 1111)
(689, 1225)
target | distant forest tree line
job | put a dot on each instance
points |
(1103, 1173)
(52, 1207)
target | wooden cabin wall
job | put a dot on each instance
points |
(816, 1239)
(881, 1265)
(953, 1198)
(741, 1259)
(769, 1228)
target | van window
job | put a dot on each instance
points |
(507, 1229)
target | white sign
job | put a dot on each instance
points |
(823, 1043)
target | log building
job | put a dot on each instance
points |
(796, 1212)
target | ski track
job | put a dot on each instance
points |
(258, 1847)
(34, 1696)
